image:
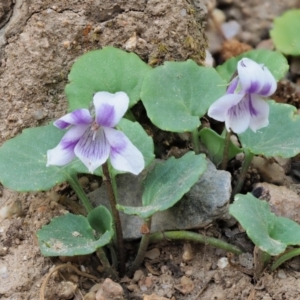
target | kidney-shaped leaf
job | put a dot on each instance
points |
(167, 182)
(285, 32)
(280, 137)
(111, 70)
(70, 235)
(270, 233)
(177, 94)
(23, 160)
(275, 61)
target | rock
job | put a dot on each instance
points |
(66, 290)
(187, 252)
(110, 290)
(138, 274)
(186, 285)
(153, 253)
(283, 201)
(89, 296)
(269, 171)
(222, 263)
(231, 29)
(154, 297)
(205, 202)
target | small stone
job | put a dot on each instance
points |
(281, 274)
(3, 272)
(110, 291)
(209, 60)
(130, 45)
(133, 288)
(90, 296)
(3, 251)
(270, 172)
(186, 285)
(148, 281)
(153, 253)
(94, 185)
(95, 288)
(138, 274)
(231, 29)
(83, 181)
(66, 290)
(187, 252)
(154, 297)
(222, 263)
(219, 16)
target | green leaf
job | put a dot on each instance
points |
(280, 137)
(270, 233)
(177, 94)
(285, 32)
(110, 70)
(23, 160)
(215, 146)
(167, 183)
(275, 61)
(101, 220)
(70, 235)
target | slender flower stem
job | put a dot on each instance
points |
(106, 265)
(226, 150)
(116, 217)
(74, 183)
(142, 249)
(194, 237)
(284, 257)
(195, 140)
(247, 161)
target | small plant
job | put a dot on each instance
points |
(99, 135)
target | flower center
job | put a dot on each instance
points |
(94, 127)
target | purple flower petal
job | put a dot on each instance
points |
(77, 117)
(110, 108)
(238, 117)
(269, 84)
(63, 153)
(233, 85)
(219, 109)
(261, 108)
(124, 156)
(92, 149)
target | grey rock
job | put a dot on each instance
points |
(206, 201)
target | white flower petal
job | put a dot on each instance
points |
(251, 75)
(219, 108)
(259, 119)
(110, 108)
(238, 117)
(63, 153)
(124, 156)
(270, 85)
(77, 117)
(92, 149)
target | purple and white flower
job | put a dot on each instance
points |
(93, 139)
(243, 105)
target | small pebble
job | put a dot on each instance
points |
(153, 253)
(222, 263)
(66, 290)
(187, 252)
(3, 272)
(281, 274)
(90, 296)
(94, 185)
(138, 274)
(231, 29)
(83, 181)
